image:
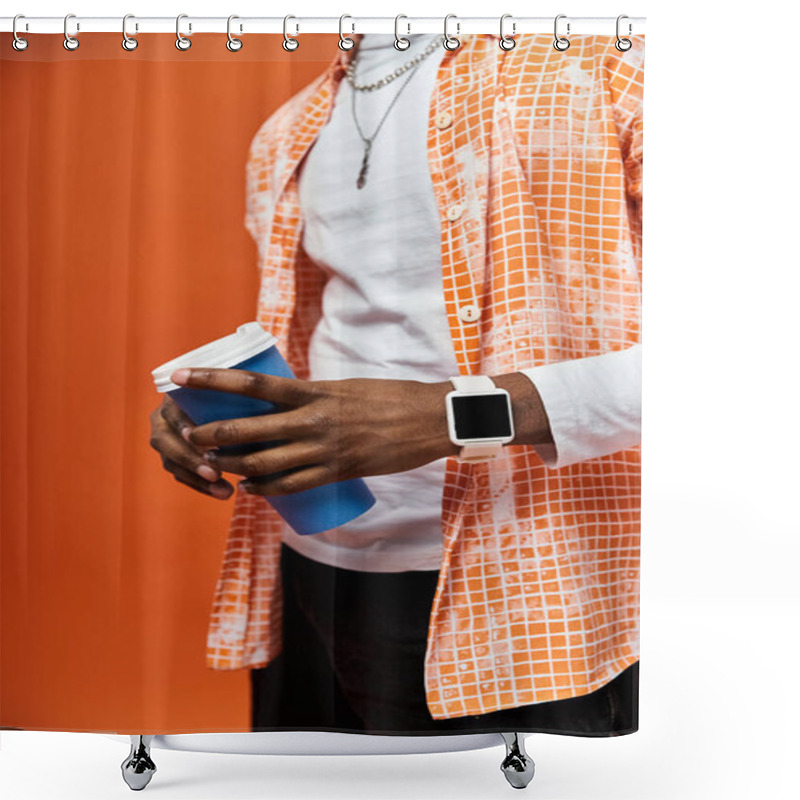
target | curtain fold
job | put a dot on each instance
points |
(122, 222)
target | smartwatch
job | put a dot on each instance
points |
(479, 417)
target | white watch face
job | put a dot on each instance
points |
(480, 417)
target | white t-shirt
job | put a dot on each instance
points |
(383, 312)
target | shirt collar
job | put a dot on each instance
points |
(338, 64)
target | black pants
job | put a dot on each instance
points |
(353, 661)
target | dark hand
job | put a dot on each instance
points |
(182, 459)
(329, 430)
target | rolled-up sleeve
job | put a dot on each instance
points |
(593, 404)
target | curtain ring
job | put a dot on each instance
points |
(623, 44)
(290, 44)
(70, 42)
(345, 42)
(233, 44)
(506, 42)
(128, 42)
(18, 43)
(181, 42)
(400, 42)
(561, 43)
(451, 42)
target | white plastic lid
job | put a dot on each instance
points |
(249, 340)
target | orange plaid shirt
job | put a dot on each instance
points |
(538, 592)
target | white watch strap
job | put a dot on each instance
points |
(480, 451)
(472, 384)
(477, 451)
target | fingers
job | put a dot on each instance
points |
(268, 461)
(176, 418)
(220, 489)
(175, 450)
(298, 481)
(275, 388)
(243, 430)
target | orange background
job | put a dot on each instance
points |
(122, 246)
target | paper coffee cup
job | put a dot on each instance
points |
(253, 349)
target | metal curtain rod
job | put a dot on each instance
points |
(246, 25)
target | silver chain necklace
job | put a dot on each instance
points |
(368, 140)
(350, 70)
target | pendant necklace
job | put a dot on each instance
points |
(368, 140)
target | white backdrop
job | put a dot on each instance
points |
(720, 599)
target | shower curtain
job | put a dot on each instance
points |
(394, 218)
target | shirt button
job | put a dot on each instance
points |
(444, 120)
(454, 212)
(469, 313)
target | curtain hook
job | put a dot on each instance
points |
(506, 42)
(128, 42)
(345, 42)
(451, 42)
(290, 44)
(233, 44)
(70, 42)
(561, 43)
(400, 42)
(623, 44)
(181, 42)
(18, 43)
